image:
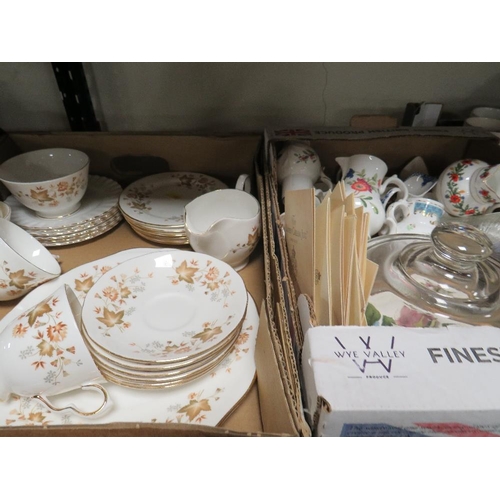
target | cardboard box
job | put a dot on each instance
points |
(395, 381)
(264, 409)
(320, 395)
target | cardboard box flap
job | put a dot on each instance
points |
(348, 133)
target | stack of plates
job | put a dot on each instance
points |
(154, 205)
(98, 213)
(163, 319)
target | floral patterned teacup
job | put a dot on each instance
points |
(224, 224)
(51, 182)
(415, 215)
(42, 354)
(24, 262)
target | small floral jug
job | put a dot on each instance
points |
(469, 187)
(364, 175)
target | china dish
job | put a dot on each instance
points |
(447, 278)
(165, 307)
(154, 205)
(98, 213)
(205, 400)
(51, 182)
(25, 263)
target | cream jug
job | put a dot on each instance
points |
(224, 224)
(363, 175)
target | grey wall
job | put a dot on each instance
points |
(243, 97)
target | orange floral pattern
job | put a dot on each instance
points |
(115, 301)
(17, 282)
(49, 350)
(195, 341)
(251, 243)
(194, 406)
(207, 277)
(139, 197)
(196, 409)
(52, 195)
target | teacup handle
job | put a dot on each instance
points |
(389, 227)
(394, 179)
(392, 209)
(326, 181)
(74, 408)
(390, 224)
(244, 183)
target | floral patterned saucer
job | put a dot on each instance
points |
(98, 213)
(161, 308)
(206, 400)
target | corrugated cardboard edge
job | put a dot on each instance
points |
(273, 404)
(272, 365)
(348, 133)
(127, 429)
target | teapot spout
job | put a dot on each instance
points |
(492, 180)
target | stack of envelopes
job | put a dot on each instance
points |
(327, 244)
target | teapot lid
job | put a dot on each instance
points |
(450, 273)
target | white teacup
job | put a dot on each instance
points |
(224, 224)
(42, 353)
(419, 184)
(24, 262)
(415, 215)
(51, 182)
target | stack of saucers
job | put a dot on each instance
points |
(154, 205)
(163, 319)
(97, 214)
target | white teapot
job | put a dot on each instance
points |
(469, 187)
(364, 175)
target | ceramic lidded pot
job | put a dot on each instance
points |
(447, 278)
(299, 167)
(469, 187)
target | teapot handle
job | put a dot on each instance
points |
(491, 209)
(96, 387)
(244, 183)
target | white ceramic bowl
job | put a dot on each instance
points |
(49, 181)
(482, 122)
(485, 112)
(24, 262)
